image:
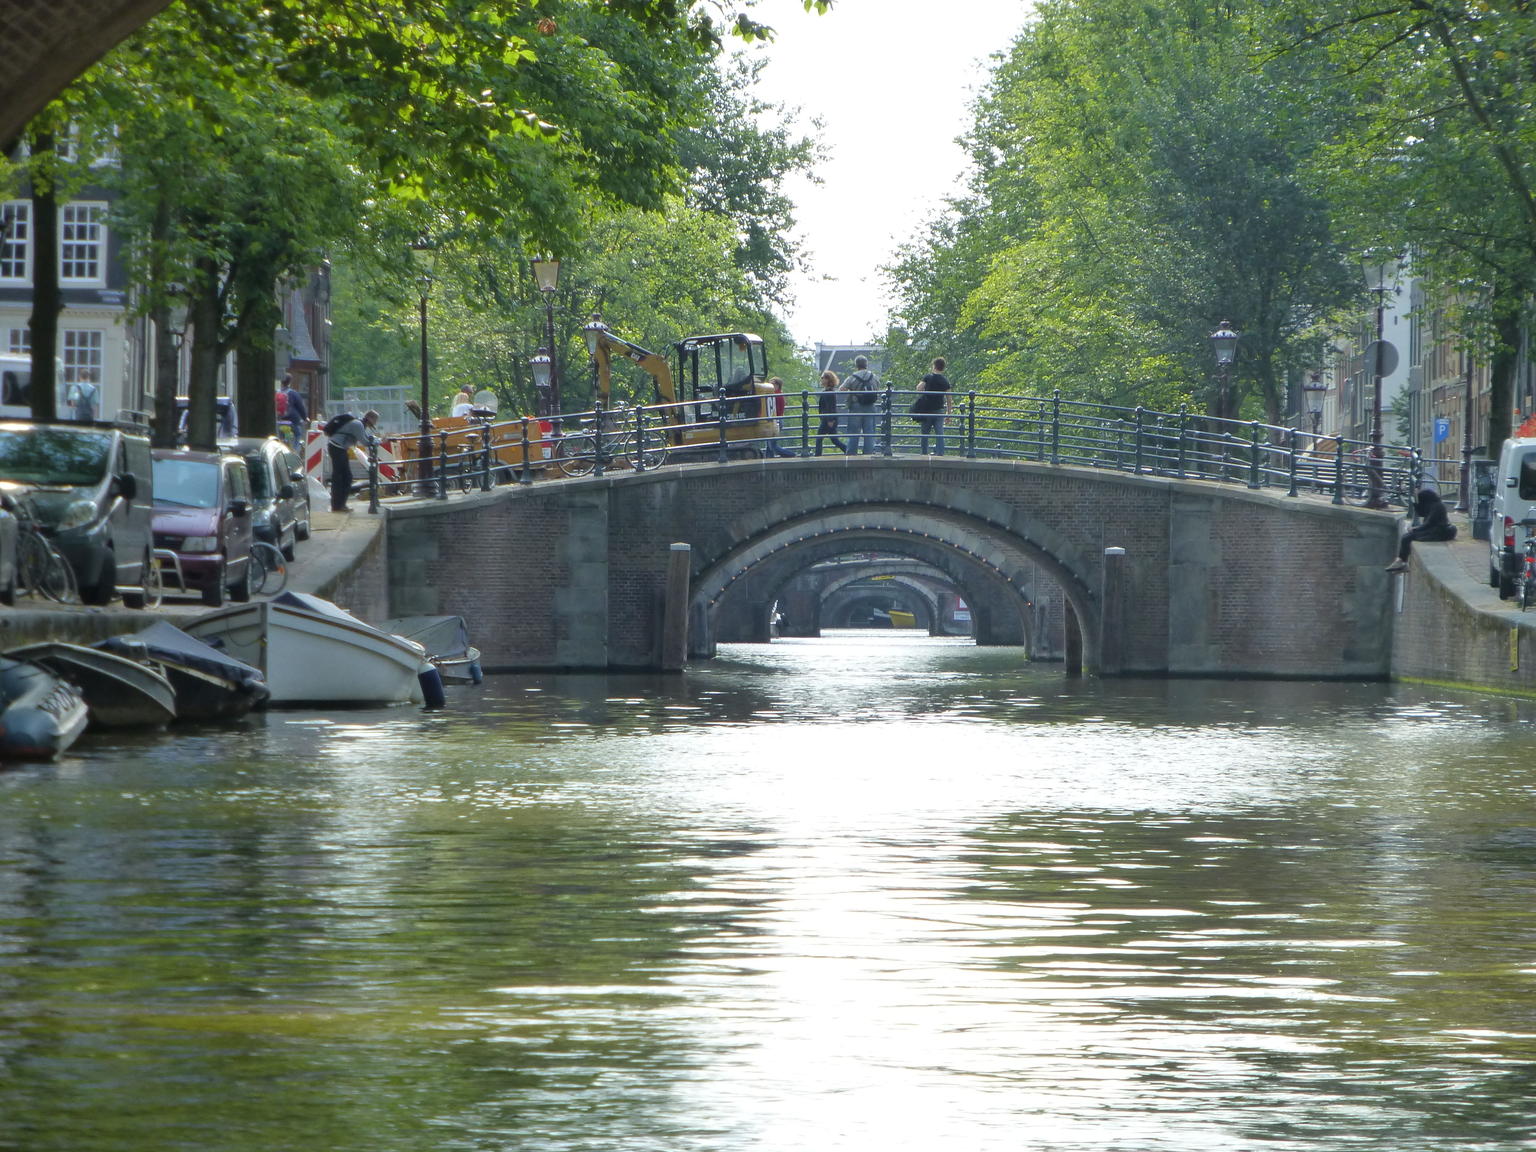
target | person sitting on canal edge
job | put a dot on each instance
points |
(1436, 525)
(344, 436)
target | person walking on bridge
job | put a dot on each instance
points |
(931, 407)
(863, 388)
(826, 408)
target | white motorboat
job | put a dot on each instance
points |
(312, 652)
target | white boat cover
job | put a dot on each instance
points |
(445, 637)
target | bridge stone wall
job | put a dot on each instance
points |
(1222, 581)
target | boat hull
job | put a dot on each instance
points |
(310, 659)
(40, 714)
(119, 692)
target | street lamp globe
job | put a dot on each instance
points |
(546, 273)
(1380, 272)
(1224, 341)
(540, 363)
(590, 332)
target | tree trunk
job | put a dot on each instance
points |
(47, 300)
(202, 388)
(256, 371)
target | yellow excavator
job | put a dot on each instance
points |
(727, 397)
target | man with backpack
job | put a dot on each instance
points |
(345, 432)
(863, 388)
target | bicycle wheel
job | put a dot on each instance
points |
(577, 453)
(269, 571)
(32, 560)
(59, 582)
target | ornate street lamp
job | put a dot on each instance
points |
(1224, 343)
(1314, 391)
(1380, 272)
(546, 274)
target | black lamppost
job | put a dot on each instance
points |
(1379, 274)
(1314, 391)
(1224, 342)
(546, 273)
(425, 257)
(1463, 499)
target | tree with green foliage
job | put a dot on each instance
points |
(1139, 177)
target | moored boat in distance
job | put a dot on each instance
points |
(209, 684)
(313, 652)
(119, 691)
(41, 714)
(446, 639)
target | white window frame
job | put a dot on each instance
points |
(83, 243)
(18, 341)
(85, 357)
(17, 210)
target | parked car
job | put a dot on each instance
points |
(1514, 499)
(92, 491)
(203, 514)
(279, 492)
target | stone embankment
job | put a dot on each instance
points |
(1452, 629)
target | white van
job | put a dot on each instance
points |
(16, 384)
(1514, 499)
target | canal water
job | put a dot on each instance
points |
(867, 892)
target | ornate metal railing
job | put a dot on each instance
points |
(475, 455)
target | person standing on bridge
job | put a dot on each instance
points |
(776, 414)
(863, 388)
(826, 408)
(931, 407)
(351, 434)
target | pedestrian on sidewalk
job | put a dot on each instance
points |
(352, 434)
(1435, 524)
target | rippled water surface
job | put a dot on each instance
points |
(864, 892)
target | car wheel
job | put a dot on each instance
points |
(105, 586)
(288, 549)
(301, 527)
(1493, 576)
(213, 594)
(8, 593)
(150, 591)
(241, 590)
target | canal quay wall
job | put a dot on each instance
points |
(534, 579)
(1452, 629)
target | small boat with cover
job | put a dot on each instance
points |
(119, 692)
(209, 684)
(446, 639)
(41, 714)
(313, 652)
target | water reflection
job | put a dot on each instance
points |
(866, 892)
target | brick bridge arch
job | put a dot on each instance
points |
(917, 583)
(1216, 579)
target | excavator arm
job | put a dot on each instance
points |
(605, 344)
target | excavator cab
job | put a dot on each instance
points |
(726, 367)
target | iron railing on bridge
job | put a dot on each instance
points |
(475, 455)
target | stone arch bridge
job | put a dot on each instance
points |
(1214, 579)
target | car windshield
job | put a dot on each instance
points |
(190, 483)
(256, 465)
(54, 457)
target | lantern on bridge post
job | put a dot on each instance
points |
(1224, 342)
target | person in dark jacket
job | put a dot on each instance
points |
(1434, 524)
(354, 433)
(826, 408)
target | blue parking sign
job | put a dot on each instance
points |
(1442, 428)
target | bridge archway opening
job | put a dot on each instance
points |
(829, 595)
(997, 573)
